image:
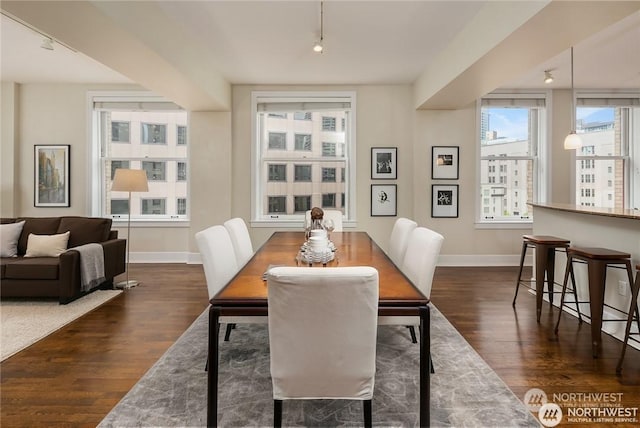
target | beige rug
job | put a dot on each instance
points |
(24, 322)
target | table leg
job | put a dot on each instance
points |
(597, 277)
(425, 370)
(212, 378)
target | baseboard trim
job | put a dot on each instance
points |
(479, 260)
(471, 260)
(159, 257)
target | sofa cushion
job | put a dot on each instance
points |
(37, 226)
(85, 230)
(31, 268)
(47, 245)
(9, 235)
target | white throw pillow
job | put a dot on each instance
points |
(9, 235)
(47, 245)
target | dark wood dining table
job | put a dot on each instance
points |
(246, 295)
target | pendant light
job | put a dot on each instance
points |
(573, 140)
(318, 47)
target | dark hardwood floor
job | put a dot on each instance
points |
(75, 376)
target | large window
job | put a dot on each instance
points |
(607, 172)
(289, 178)
(512, 134)
(156, 131)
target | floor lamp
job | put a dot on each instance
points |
(129, 180)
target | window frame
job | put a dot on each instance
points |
(539, 157)
(258, 189)
(630, 144)
(96, 196)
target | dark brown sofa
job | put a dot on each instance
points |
(59, 276)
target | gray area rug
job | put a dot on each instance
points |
(465, 392)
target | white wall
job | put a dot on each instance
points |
(9, 138)
(220, 150)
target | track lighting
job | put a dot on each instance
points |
(548, 77)
(47, 44)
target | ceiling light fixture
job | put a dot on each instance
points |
(548, 77)
(47, 44)
(573, 140)
(318, 47)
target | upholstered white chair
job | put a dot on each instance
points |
(399, 239)
(335, 215)
(419, 265)
(241, 240)
(322, 334)
(220, 266)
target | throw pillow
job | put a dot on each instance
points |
(9, 235)
(47, 245)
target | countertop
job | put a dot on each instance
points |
(607, 212)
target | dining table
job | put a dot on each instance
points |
(246, 295)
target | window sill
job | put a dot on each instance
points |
(294, 224)
(525, 225)
(152, 223)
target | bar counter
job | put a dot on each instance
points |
(615, 229)
(608, 212)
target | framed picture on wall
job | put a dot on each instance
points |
(444, 200)
(384, 163)
(383, 200)
(445, 164)
(51, 178)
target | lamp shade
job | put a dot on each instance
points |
(572, 141)
(130, 180)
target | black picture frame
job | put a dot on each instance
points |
(445, 162)
(384, 163)
(444, 200)
(384, 202)
(52, 181)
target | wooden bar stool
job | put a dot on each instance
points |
(597, 260)
(545, 247)
(634, 305)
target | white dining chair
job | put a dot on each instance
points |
(399, 239)
(335, 215)
(220, 266)
(241, 240)
(322, 334)
(419, 265)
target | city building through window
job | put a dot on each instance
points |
(149, 134)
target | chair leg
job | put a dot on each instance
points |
(368, 420)
(575, 295)
(412, 332)
(277, 413)
(524, 252)
(206, 365)
(568, 270)
(431, 369)
(227, 333)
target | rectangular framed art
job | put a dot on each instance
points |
(445, 162)
(384, 163)
(383, 200)
(444, 200)
(51, 181)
